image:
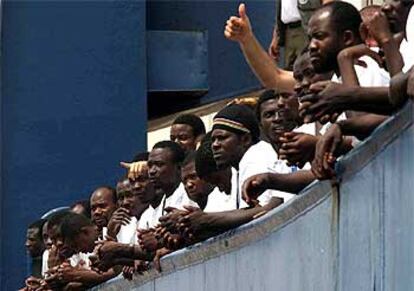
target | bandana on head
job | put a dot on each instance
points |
(238, 119)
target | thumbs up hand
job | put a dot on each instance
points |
(239, 28)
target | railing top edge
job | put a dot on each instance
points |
(232, 240)
(379, 140)
(280, 217)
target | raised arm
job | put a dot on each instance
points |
(348, 57)
(239, 29)
(380, 30)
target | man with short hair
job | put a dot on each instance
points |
(334, 27)
(197, 189)
(234, 136)
(164, 171)
(133, 199)
(208, 197)
(187, 130)
(35, 246)
(384, 27)
(103, 204)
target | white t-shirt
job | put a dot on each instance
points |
(308, 128)
(262, 158)
(104, 233)
(45, 265)
(81, 260)
(128, 233)
(289, 11)
(410, 29)
(407, 54)
(407, 46)
(219, 201)
(326, 126)
(234, 193)
(371, 76)
(150, 217)
(178, 199)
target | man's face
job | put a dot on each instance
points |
(34, 243)
(303, 72)
(133, 194)
(227, 148)
(162, 170)
(196, 188)
(324, 44)
(278, 116)
(56, 237)
(305, 75)
(142, 187)
(397, 13)
(46, 238)
(184, 136)
(102, 207)
(84, 241)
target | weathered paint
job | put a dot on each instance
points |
(354, 236)
(177, 61)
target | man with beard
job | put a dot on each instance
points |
(164, 172)
(103, 204)
(332, 97)
(206, 168)
(235, 143)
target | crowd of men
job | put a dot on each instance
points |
(355, 71)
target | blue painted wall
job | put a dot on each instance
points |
(73, 105)
(228, 73)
